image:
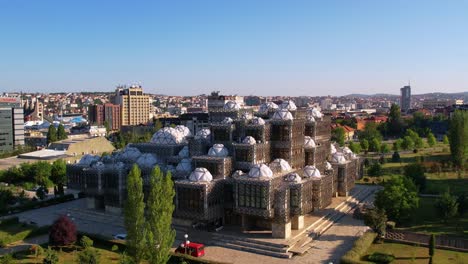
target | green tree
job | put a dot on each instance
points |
(399, 198)
(86, 242)
(370, 132)
(6, 259)
(415, 172)
(407, 143)
(431, 140)
(160, 208)
(377, 220)
(395, 123)
(355, 147)
(397, 144)
(458, 134)
(51, 257)
(88, 256)
(61, 134)
(446, 206)
(432, 243)
(385, 148)
(58, 175)
(445, 139)
(365, 145)
(338, 135)
(51, 134)
(375, 170)
(374, 145)
(42, 172)
(134, 215)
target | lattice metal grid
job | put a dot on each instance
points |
(246, 155)
(219, 167)
(322, 192)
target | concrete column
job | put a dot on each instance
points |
(297, 222)
(281, 230)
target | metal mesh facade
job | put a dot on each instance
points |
(246, 155)
(322, 192)
(219, 167)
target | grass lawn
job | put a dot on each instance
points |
(12, 229)
(425, 220)
(406, 254)
(13, 232)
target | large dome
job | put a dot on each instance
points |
(314, 113)
(288, 105)
(260, 170)
(130, 154)
(200, 175)
(185, 131)
(88, 159)
(184, 152)
(167, 136)
(218, 150)
(249, 140)
(264, 108)
(203, 134)
(147, 160)
(282, 114)
(227, 120)
(309, 142)
(98, 165)
(281, 165)
(293, 177)
(312, 172)
(184, 165)
(231, 105)
(338, 157)
(257, 121)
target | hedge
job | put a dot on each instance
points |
(39, 204)
(360, 247)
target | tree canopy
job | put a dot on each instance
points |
(458, 138)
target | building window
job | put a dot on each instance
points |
(253, 196)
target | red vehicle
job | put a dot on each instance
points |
(192, 249)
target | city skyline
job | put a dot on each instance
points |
(298, 48)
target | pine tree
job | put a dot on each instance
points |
(61, 134)
(58, 175)
(134, 213)
(458, 134)
(160, 207)
(51, 134)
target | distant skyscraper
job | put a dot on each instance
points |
(405, 99)
(11, 123)
(134, 105)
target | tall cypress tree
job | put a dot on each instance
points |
(458, 134)
(160, 208)
(61, 134)
(51, 134)
(134, 213)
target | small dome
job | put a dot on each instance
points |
(264, 108)
(231, 105)
(282, 114)
(218, 150)
(315, 113)
(328, 166)
(246, 116)
(312, 172)
(184, 152)
(260, 170)
(130, 154)
(185, 131)
(184, 165)
(237, 173)
(258, 121)
(293, 177)
(249, 140)
(310, 118)
(227, 120)
(309, 142)
(203, 134)
(281, 164)
(338, 157)
(147, 160)
(88, 159)
(200, 175)
(168, 135)
(288, 105)
(332, 149)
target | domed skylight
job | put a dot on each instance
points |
(338, 157)
(288, 105)
(257, 121)
(281, 165)
(293, 177)
(264, 108)
(312, 172)
(309, 142)
(231, 105)
(184, 165)
(203, 134)
(147, 161)
(260, 170)
(282, 114)
(227, 120)
(218, 150)
(184, 152)
(88, 159)
(249, 140)
(168, 135)
(130, 154)
(200, 175)
(185, 131)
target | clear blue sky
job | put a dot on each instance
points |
(239, 47)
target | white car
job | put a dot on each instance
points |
(120, 236)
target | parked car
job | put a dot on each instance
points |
(120, 236)
(193, 249)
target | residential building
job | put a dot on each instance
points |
(135, 106)
(11, 123)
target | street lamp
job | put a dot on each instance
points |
(186, 243)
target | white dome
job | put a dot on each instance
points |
(309, 142)
(293, 177)
(258, 121)
(264, 108)
(88, 159)
(260, 170)
(282, 114)
(310, 118)
(218, 150)
(332, 149)
(347, 150)
(312, 172)
(338, 157)
(288, 105)
(184, 165)
(328, 166)
(130, 154)
(246, 116)
(231, 105)
(203, 134)
(237, 173)
(200, 174)
(227, 120)
(147, 160)
(315, 113)
(168, 135)
(185, 131)
(184, 152)
(281, 164)
(249, 140)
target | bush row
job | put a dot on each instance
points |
(38, 204)
(360, 247)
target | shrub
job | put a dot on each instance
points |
(51, 257)
(62, 232)
(115, 248)
(396, 157)
(6, 259)
(86, 242)
(378, 257)
(88, 256)
(375, 170)
(359, 248)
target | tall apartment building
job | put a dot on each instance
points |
(110, 113)
(11, 123)
(405, 99)
(134, 105)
